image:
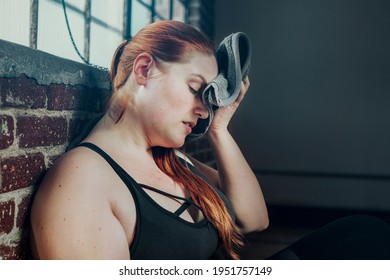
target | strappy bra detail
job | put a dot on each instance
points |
(162, 234)
(187, 201)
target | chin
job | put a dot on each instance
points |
(174, 143)
(178, 145)
(180, 142)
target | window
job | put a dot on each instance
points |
(97, 26)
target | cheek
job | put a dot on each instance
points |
(176, 92)
(177, 101)
(159, 118)
(170, 100)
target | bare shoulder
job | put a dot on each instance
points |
(76, 172)
(73, 216)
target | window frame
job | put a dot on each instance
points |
(88, 19)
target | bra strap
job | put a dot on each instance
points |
(121, 172)
(117, 168)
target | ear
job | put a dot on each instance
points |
(142, 68)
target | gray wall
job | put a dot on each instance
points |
(315, 125)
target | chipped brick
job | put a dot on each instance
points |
(6, 131)
(35, 131)
(21, 172)
(7, 216)
(22, 92)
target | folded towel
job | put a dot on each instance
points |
(233, 58)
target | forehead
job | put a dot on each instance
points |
(200, 66)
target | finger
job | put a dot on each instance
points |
(246, 82)
(244, 88)
(241, 95)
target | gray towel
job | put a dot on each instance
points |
(233, 58)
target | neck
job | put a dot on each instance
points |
(120, 136)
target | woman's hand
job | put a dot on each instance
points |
(223, 115)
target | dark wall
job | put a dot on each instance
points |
(315, 125)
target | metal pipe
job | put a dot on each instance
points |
(127, 10)
(34, 5)
(87, 29)
(153, 10)
(171, 9)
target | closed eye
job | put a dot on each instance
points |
(194, 91)
(199, 91)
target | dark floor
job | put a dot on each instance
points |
(288, 224)
(275, 238)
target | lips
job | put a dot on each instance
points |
(189, 126)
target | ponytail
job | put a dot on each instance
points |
(115, 64)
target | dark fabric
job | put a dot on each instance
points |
(161, 234)
(359, 237)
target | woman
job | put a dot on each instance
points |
(127, 192)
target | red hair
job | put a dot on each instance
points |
(165, 40)
(174, 41)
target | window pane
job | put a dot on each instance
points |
(52, 31)
(179, 11)
(140, 17)
(79, 4)
(105, 37)
(15, 21)
(110, 12)
(162, 7)
(103, 45)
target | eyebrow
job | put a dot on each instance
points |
(200, 77)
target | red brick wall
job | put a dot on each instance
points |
(40, 113)
(36, 124)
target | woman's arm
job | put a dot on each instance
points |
(235, 177)
(72, 217)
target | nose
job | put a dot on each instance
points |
(200, 109)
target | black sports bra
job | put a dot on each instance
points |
(161, 234)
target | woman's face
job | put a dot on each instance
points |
(174, 100)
